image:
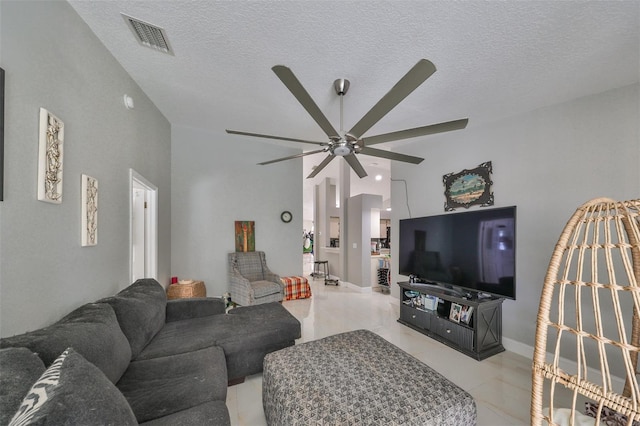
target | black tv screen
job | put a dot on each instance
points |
(474, 250)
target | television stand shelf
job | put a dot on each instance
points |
(480, 337)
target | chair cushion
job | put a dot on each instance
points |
(162, 386)
(73, 392)
(265, 288)
(92, 330)
(250, 265)
(19, 369)
(141, 310)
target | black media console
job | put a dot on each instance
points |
(478, 335)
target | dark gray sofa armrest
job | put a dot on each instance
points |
(180, 309)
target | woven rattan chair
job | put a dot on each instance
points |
(588, 331)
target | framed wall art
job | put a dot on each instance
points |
(468, 188)
(245, 235)
(89, 226)
(50, 158)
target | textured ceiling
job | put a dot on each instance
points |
(494, 59)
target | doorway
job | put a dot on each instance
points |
(143, 228)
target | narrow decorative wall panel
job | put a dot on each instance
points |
(89, 216)
(50, 158)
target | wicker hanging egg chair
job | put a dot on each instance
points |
(588, 329)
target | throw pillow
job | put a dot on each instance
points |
(73, 391)
(607, 416)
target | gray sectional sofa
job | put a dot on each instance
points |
(136, 358)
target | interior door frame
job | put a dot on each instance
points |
(151, 224)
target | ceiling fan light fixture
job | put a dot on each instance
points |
(341, 150)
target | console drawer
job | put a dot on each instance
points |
(461, 336)
(416, 317)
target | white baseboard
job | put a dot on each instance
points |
(357, 287)
(566, 364)
(518, 347)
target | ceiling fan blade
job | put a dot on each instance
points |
(407, 84)
(321, 166)
(355, 165)
(280, 138)
(418, 131)
(296, 88)
(291, 157)
(391, 155)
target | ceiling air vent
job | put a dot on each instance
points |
(149, 35)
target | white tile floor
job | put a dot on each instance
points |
(501, 385)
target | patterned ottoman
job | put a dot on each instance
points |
(296, 288)
(358, 378)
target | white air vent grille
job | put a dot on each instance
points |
(149, 35)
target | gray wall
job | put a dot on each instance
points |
(215, 181)
(53, 60)
(547, 163)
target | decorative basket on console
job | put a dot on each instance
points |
(186, 289)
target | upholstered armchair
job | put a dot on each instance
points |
(251, 280)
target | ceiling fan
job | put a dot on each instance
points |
(348, 144)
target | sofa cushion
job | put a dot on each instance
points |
(268, 313)
(141, 311)
(246, 347)
(180, 309)
(209, 413)
(246, 334)
(246, 356)
(75, 392)
(162, 386)
(19, 369)
(178, 337)
(92, 330)
(244, 328)
(265, 328)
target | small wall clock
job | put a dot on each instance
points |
(286, 216)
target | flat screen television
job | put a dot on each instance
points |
(474, 251)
